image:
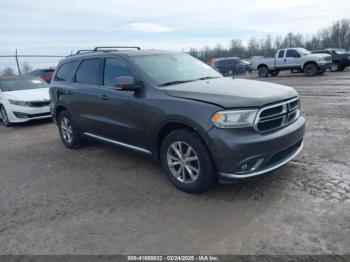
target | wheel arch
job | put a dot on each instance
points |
(168, 126)
(310, 62)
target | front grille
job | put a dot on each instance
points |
(277, 116)
(39, 103)
(25, 115)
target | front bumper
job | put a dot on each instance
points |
(19, 114)
(242, 153)
(324, 65)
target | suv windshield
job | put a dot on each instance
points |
(13, 84)
(167, 69)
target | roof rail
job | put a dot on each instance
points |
(84, 51)
(115, 47)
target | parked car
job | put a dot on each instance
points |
(45, 74)
(201, 126)
(298, 59)
(23, 98)
(231, 66)
(340, 58)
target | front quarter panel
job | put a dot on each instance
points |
(163, 109)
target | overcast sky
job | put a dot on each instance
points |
(59, 26)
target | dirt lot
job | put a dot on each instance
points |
(105, 200)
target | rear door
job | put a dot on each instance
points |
(87, 95)
(280, 59)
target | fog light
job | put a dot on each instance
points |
(251, 165)
(244, 167)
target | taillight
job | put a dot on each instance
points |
(46, 78)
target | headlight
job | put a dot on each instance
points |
(234, 118)
(19, 103)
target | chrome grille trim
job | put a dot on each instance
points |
(288, 110)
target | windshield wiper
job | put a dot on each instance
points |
(175, 82)
(208, 77)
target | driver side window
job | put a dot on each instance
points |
(292, 53)
(114, 68)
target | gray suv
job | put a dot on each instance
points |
(202, 127)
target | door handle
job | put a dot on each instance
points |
(67, 92)
(103, 97)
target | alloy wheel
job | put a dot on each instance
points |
(183, 162)
(66, 130)
(4, 117)
(334, 67)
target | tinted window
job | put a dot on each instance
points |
(281, 54)
(292, 53)
(89, 72)
(115, 68)
(64, 72)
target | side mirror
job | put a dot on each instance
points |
(125, 83)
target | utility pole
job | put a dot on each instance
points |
(19, 69)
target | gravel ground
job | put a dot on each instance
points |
(101, 199)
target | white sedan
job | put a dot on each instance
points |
(23, 98)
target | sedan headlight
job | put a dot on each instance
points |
(234, 118)
(19, 103)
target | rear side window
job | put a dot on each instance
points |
(90, 72)
(281, 54)
(65, 71)
(114, 68)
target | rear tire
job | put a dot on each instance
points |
(263, 71)
(310, 70)
(4, 117)
(69, 131)
(274, 73)
(187, 162)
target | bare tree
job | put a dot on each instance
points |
(26, 68)
(8, 71)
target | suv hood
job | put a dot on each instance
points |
(38, 94)
(232, 93)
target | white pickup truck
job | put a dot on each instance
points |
(292, 59)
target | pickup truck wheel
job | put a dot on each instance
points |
(187, 162)
(310, 70)
(335, 66)
(274, 73)
(69, 132)
(263, 71)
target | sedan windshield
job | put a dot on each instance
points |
(168, 69)
(13, 84)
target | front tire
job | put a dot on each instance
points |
(310, 70)
(69, 131)
(187, 162)
(4, 117)
(335, 67)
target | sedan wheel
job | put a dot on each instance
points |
(4, 117)
(183, 162)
